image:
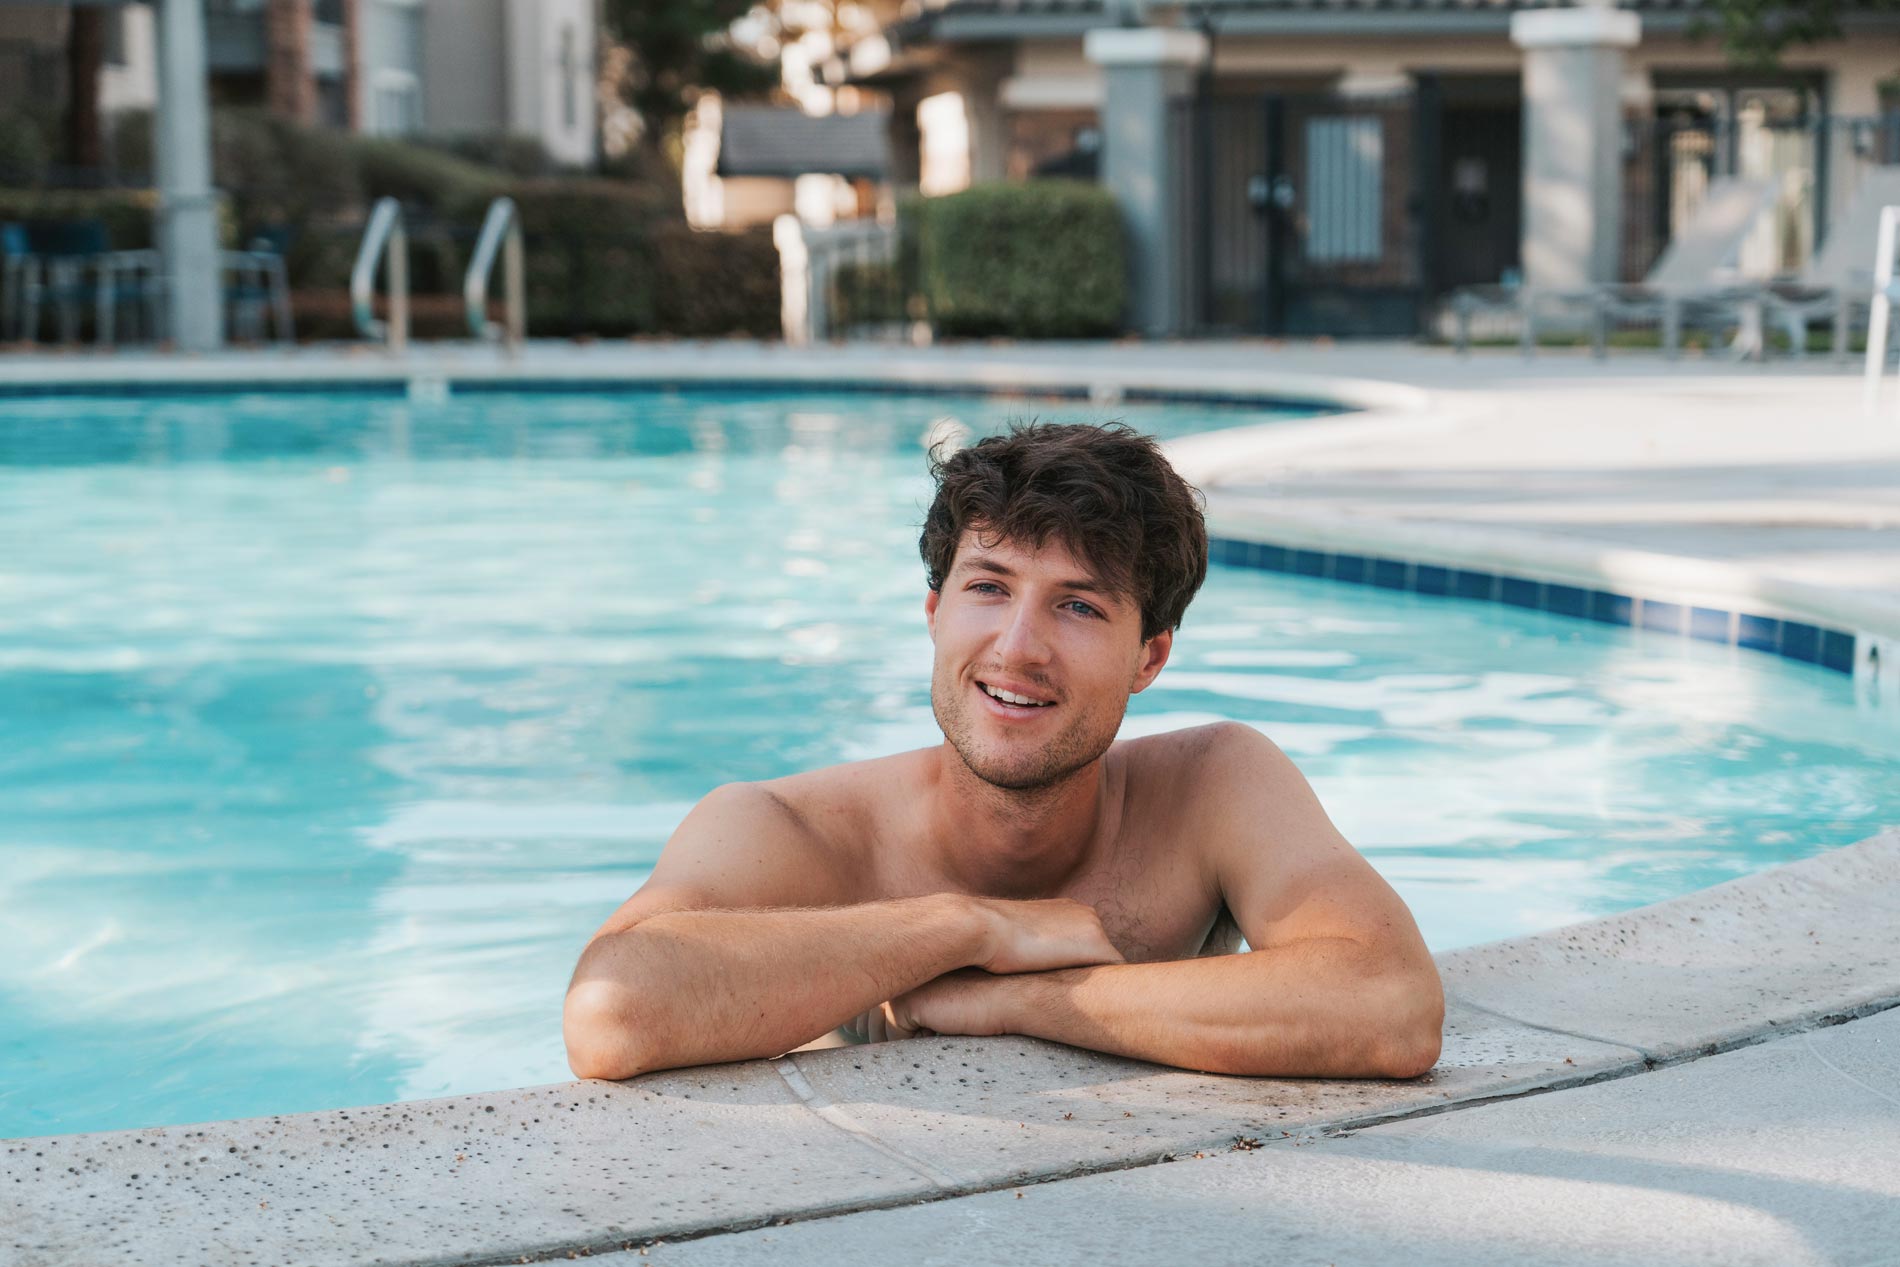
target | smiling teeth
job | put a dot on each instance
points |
(1010, 697)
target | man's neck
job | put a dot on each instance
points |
(1010, 843)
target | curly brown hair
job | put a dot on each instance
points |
(1105, 492)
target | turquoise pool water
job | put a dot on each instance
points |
(331, 727)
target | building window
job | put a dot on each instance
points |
(1345, 163)
(396, 103)
(395, 36)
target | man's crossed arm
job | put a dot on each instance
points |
(737, 949)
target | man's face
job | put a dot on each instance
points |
(1034, 624)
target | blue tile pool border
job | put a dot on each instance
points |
(1791, 639)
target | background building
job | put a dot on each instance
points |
(519, 68)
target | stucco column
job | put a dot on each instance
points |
(1146, 70)
(187, 205)
(1573, 141)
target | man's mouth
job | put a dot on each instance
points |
(1013, 699)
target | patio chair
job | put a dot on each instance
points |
(1839, 278)
(1689, 280)
(19, 280)
(1693, 279)
(129, 279)
(66, 250)
(257, 289)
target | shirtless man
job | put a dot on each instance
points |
(1030, 874)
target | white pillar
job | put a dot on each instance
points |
(1145, 71)
(187, 205)
(1573, 141)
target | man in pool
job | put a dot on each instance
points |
(1030, 874)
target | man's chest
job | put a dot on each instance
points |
(1152, 914)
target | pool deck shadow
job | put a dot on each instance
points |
(590, 1167)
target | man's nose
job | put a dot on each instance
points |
(1023, 638)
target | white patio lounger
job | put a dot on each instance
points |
(1839, 279)
(1692, 277)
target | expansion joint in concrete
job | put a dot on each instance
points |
(1462, 1001)
(1807, 1040)
(835, 1116)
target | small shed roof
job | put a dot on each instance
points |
(786, 142)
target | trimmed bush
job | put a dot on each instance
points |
(127, 213)
(426, 179)
(1041, 259)
(25, 152)
(604, 257)
(590, 257)
(713, 283)
(608, 258)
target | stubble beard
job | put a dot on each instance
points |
(1074, 747)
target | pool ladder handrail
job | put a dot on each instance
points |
(384, 241)
(501, 232)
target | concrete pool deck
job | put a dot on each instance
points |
(1715, 1078)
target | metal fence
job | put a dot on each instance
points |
(1300, 213)
(1816, 163)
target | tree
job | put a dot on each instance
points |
(680, 48)
(1755, 33)
(85, 52)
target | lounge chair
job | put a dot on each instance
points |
(1691, 279)
(1694, 278)
(1839, 278)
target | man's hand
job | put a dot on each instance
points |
(1043, 935)
(1032, 936)
(968, 1002)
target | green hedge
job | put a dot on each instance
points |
(606, 258)
(717, 283)
(127, 213)
(1040, 259)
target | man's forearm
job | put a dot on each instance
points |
(700, 987)
(1318, 1008)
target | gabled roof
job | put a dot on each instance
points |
(787, 142)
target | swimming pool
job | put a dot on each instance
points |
(330, 727)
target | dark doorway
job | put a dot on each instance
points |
(1308, 213)
(1477, 193)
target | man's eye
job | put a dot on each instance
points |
(1083, 607)
(987, 585)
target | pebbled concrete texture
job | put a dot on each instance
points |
(486, 1178)
(1766, 1155)
(590, 1167)
(985, 1111)
(593, 1166)
(1783, 948)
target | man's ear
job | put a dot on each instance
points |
(1154, 654)
(930, 611)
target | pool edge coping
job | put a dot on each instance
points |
(1724, 916)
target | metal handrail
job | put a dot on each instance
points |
(501, 231)
(1886, 294)
(383, 239)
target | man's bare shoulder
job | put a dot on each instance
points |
(1199, 759)
(844, 809)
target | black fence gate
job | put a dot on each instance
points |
(1300, 215)
(1322, 214)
